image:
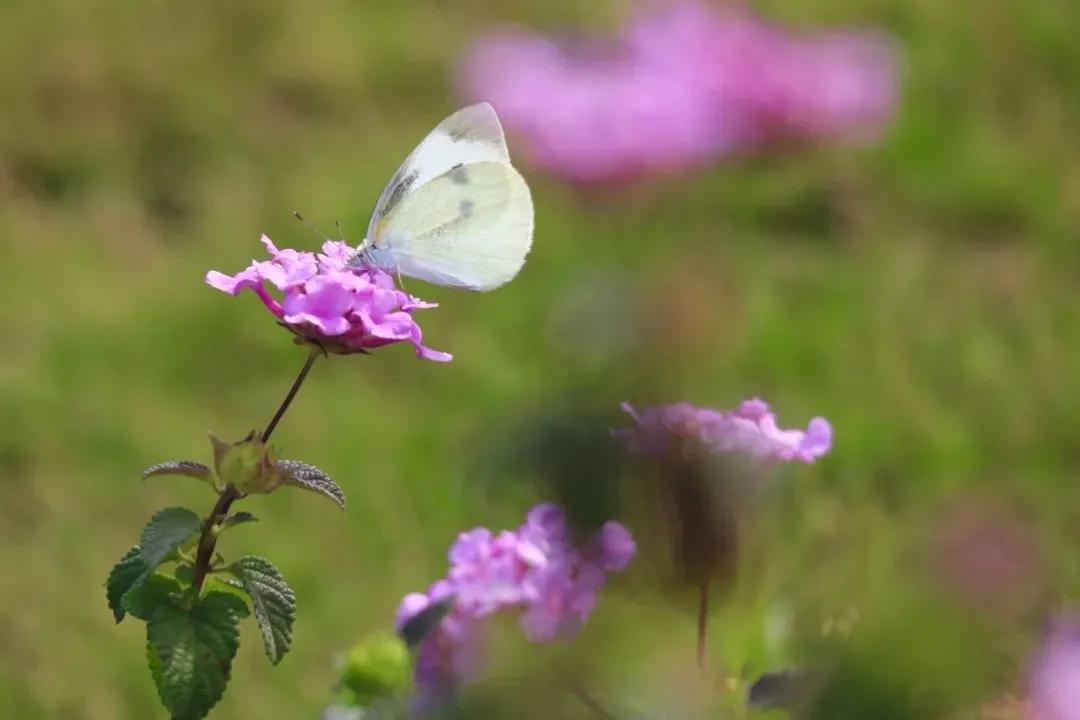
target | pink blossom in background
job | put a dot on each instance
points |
(750, 429)
(1054, 692)
(683, 84)
(325, 301)
(533, 570)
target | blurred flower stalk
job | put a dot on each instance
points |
(701, 498)
(682, 85)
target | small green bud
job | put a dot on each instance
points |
(376, 668)
(246, 465)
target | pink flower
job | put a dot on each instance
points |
(750, 429)
(682, 85)
(617, 547)
(1055, 680)
(533, 570)
(327, 302)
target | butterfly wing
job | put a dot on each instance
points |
(470, 135)
(470, 227)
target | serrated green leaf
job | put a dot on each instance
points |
(272, 600)
(239, 518)
(191, 652)
(165, 532)
(188, 468)
(153, 592)
(226, 584)
(311, 478)
(123, 576)
(420, 625)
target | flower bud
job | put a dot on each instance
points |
(376, 668)
(246, 465)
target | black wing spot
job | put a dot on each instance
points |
(458, 174)
(457, 133)
(466, 208)
(399, 187)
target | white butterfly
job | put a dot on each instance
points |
(455, 213)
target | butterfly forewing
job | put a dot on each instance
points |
(470, 227)
(470, 135)
(455, 213)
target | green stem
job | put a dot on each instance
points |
(290, 395)
(208, 539)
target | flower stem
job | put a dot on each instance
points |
(208, 539)
(588, 700)
(290, 395)
(702, 622)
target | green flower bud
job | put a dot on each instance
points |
(376, 668)
(246, 465)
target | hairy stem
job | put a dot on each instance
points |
(208, 539)
(702, 621)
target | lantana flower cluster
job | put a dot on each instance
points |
(750, 429)
(682, 85)
(534, 570)
(327, 302)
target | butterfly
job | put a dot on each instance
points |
(456, 212)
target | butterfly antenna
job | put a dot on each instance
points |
(340, 230)
(309, 226)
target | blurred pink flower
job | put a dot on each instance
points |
(533, 569)
(750, 429)
(1055, 680)
(682, 85)
(327, 302)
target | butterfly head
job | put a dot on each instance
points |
(370, 255)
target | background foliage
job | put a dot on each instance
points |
(920, 293)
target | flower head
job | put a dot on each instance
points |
(682, 85)
(750, 429)
(533, 570)
(327, 302)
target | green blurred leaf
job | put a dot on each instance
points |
(129, 570)
(309, 477)
(191, 652)
(165, 532)
(272, 600)
(185, 574)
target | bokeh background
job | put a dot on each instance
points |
(919, 290)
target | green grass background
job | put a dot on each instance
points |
(920, 292)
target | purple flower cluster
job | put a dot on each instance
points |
(1054, 693)
(535, 570)
(750, 429)
(325, 301)
(684, 84)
